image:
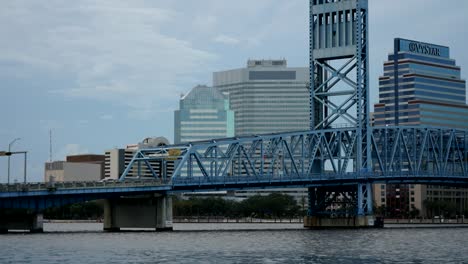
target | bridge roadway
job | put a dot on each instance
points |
(39, 196)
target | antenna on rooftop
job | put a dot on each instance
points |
(50, 145)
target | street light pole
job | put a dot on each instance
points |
(25, 162)
(9, 150)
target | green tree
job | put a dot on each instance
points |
(86, 210)
(273, 205)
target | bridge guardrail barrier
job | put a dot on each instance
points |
(21, 187)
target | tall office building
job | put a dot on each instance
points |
(203, 114)
(421, 85)
(430, 90)
(267, 96)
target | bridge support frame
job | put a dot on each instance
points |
(138, 212)
(340, 207)
(364, 197)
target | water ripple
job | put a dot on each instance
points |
(85, 243)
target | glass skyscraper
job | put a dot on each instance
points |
(421, 85)
(267, 96)
(429, 88)
(203, 114)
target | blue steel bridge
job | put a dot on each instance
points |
(416, 155)
(336, 164)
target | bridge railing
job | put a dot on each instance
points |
(21, 187)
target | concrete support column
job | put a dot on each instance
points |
(21, 220)
(311, 202)
(164, 214)
(153, 211)
(109, 216)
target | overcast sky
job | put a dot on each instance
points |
(103, 74)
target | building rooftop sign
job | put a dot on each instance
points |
(422, 48)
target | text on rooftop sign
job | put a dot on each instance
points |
(423, 48)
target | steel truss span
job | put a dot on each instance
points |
(399, 154)
(316, 159)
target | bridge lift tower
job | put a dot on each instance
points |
(339, 90)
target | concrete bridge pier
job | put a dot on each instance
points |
(340, 207)
(153, 211)
(21, 220)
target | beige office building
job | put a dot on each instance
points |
(86, 167)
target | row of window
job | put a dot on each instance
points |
(400, 56)
(421, 79)
(401, 107)
(421, 86)
(241, 84)
(424, 69)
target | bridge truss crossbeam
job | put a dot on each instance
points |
(396, 152)
(312, 158)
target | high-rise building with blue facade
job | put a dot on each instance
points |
(421, 85)
(203, 114)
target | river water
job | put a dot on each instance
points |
(235, 243)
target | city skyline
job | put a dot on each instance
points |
(62, 71)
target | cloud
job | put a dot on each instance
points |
(83, 122)
(112, 51)
(106, 117)
(146, 113)
(224, 39)
(70, 149)
(204, 23)
(49, 124)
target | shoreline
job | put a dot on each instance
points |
(387, 225)
(70, 221)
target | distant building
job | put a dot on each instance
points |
(267, 96)
(203, 114)
(86, 167)
(428, 91)
(116, 160)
